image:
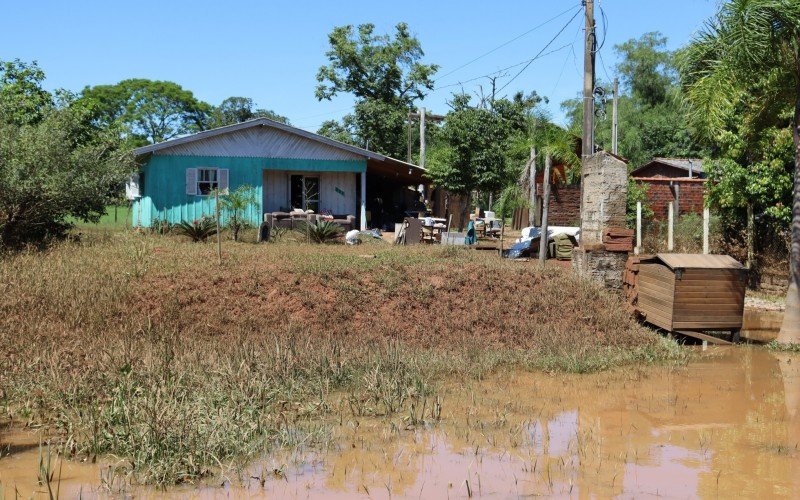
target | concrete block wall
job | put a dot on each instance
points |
(605, 195)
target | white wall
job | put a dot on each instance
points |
(276, 191)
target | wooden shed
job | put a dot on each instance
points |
(689, 292)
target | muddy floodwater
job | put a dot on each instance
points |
(726, 425)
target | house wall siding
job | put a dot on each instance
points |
(337, 191)
(165, 195)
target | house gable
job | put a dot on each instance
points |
(259, 142)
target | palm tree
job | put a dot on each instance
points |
(752, 46)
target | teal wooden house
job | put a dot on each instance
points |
(289, 168)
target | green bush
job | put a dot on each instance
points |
(322, 231)
(198, 230)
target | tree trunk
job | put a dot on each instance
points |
(543, 240)
(465, 211)
(790, 330)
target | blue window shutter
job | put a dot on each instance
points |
(222, 175)
(191, 181)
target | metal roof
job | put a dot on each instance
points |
(698, 261)
(265, 122)
(680, 163)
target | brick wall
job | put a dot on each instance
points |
(565, 205)
(660, 194)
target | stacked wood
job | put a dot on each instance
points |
(618, 239)
(630, 282)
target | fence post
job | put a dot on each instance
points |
(638, 248)
(706, 217)
(670, 227)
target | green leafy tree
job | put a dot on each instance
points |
(752, 48)
(474, 149)
(386, 77)
(149, 111)
(240, 109)
(22, 98)
(54, 167)
(652, 121)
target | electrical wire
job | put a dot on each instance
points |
(508, 42)
(540, 52)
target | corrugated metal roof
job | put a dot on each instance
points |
(257, 123)
(260, 142)
(679, 163)
(698, 261)
(683, 163)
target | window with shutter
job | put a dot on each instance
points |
(191, 181)
(222, 176)
(207, 180)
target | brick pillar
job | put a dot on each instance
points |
(605, 194)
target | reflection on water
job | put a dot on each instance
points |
(726, 425)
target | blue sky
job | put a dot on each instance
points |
(271, 51)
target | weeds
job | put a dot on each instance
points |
(189, 371)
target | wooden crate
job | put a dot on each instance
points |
(688, 291)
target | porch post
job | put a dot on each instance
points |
(364, 200)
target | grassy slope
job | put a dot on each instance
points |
(143, 347)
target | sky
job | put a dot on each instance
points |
(271, 50)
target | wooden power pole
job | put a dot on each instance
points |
(422, 137)
(615, 118)
(588, 82)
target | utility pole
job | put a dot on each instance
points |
(587, 144)
(615, 118)
(422, 137)
(408, 127)
(588, 81)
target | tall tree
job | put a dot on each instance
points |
(150, 111)
(752, 47)
(240, 109)
(22, 98)
(386, 77)
(54, 165)
(474, 148)
(652, 121)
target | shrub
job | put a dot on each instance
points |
(198, 230)
(322, 232)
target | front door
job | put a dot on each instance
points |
(304, 192)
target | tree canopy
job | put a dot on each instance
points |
(386, 77)
(149, 110)
(54, 165)
(652, 121)
(236, 109)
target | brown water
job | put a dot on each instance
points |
(726, 425)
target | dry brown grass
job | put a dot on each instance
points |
(144, 347)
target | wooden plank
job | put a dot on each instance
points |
(726, 298)
(732, 274)
(647, 282)
(702, 336)
(708, 287)
(694, 296)
(658, 321)
(710, 308)
(703, 325)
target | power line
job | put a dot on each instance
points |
(526, 61)
(543, 49)
(508, 42)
